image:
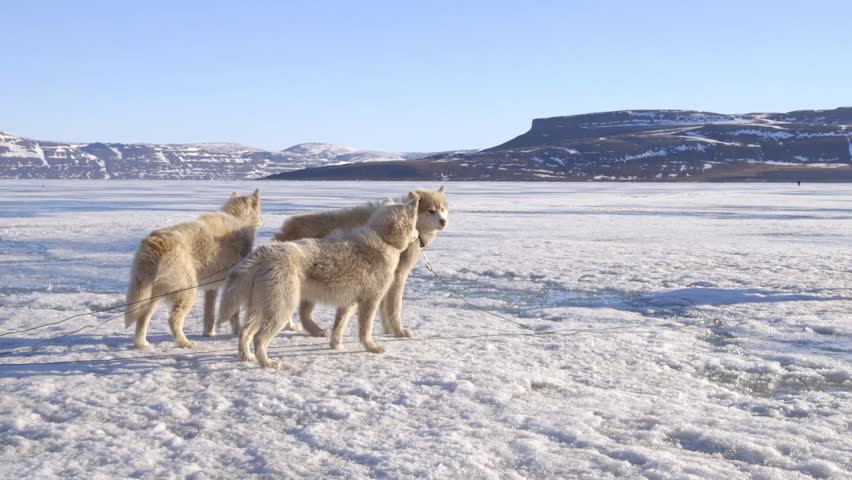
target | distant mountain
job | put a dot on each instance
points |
(341, 155)
(637, 145)
(26, 158)
(640, 145)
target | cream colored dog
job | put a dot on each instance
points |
(179, 258)
(431, 218)
(344, 269)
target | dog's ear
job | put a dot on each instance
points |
(413, 199)
(255, 198)
(234, 195)
(441, 190)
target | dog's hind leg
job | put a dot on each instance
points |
(384, 309)
(366, 314)
(268, 330)
(341, 318)
(305, 310)
(277, 312)
(147, 309)
(181, 305)
(209, 309)
(235, 324)
(247, 335)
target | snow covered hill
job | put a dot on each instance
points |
(340, 155)
(26, 158)
(811, 145)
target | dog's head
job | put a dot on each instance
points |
(396, 223)
(246, 209)
(433, 211)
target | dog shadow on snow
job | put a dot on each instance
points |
(124, 359)
(113, 354)
(109, 355)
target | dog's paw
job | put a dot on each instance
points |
(294, 327)
(141, 344)
(336, 345)
(374, 348)
(211, 333)
(322, 333)
(270, 364)
(247, 357)
(406, 332)
(187, 344)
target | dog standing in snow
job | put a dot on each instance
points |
(344, 269)
(431, 218)
(177, 259)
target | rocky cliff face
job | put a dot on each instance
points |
(643, 145)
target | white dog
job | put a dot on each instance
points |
(432, 218)
(345, 269)
(179, 258)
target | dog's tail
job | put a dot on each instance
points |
(143, 274)
(294, 228)
(236, 290)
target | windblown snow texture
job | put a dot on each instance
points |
(705, 335)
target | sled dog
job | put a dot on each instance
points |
(345, 269)
(179, 258)
(432, 218)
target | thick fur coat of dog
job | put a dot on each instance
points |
(173, 262)
(432, 218)
(346, 269)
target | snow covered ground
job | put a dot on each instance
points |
(703, 332)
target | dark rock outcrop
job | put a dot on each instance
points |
(642, 145)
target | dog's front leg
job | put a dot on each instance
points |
(392, 309)
(366, 314)
(305, 310)
(341, 318)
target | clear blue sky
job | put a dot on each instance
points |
(400, 75)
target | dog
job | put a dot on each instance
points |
(344, 269)
(432, 217)
(173, 262)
